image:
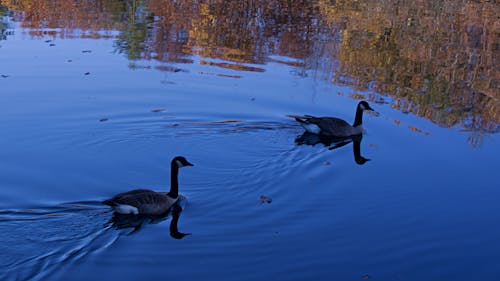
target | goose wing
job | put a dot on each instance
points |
(331, 126)
(145, 200)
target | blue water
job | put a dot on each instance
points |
(79, 124)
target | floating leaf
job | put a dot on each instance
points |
(103, 120)
(397, 122)
(415, 129)
(158, 110)
(265, 199)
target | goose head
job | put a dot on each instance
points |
(363, 105)
(180, 162)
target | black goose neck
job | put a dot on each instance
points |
(358, 120)
(174, 182)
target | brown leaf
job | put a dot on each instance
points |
(158, 110)
(415, 129)
(265, 199)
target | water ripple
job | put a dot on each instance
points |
(53, 236)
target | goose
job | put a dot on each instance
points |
(332, 126)
(149, 202)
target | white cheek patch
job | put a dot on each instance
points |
(362, 106)
(179, 164)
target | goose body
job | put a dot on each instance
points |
(149, 202)
(332, 126)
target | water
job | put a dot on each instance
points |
(97, 97)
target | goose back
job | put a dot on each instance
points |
(329, 126)
(141, 201)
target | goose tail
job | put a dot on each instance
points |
(299, 118)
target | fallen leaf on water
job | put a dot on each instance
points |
(415, 129)
(397, 122)
(158, 110)
(265, 199)
(103, 120)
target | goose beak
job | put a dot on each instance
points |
(189, 164)
(373, 111)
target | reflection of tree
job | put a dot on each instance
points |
(436, 59)
(133, 37)
(3, 24)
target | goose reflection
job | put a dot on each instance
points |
(334, 143)
(136, 222)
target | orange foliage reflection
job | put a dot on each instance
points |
(436, 59)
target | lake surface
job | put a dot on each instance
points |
(96, 97)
